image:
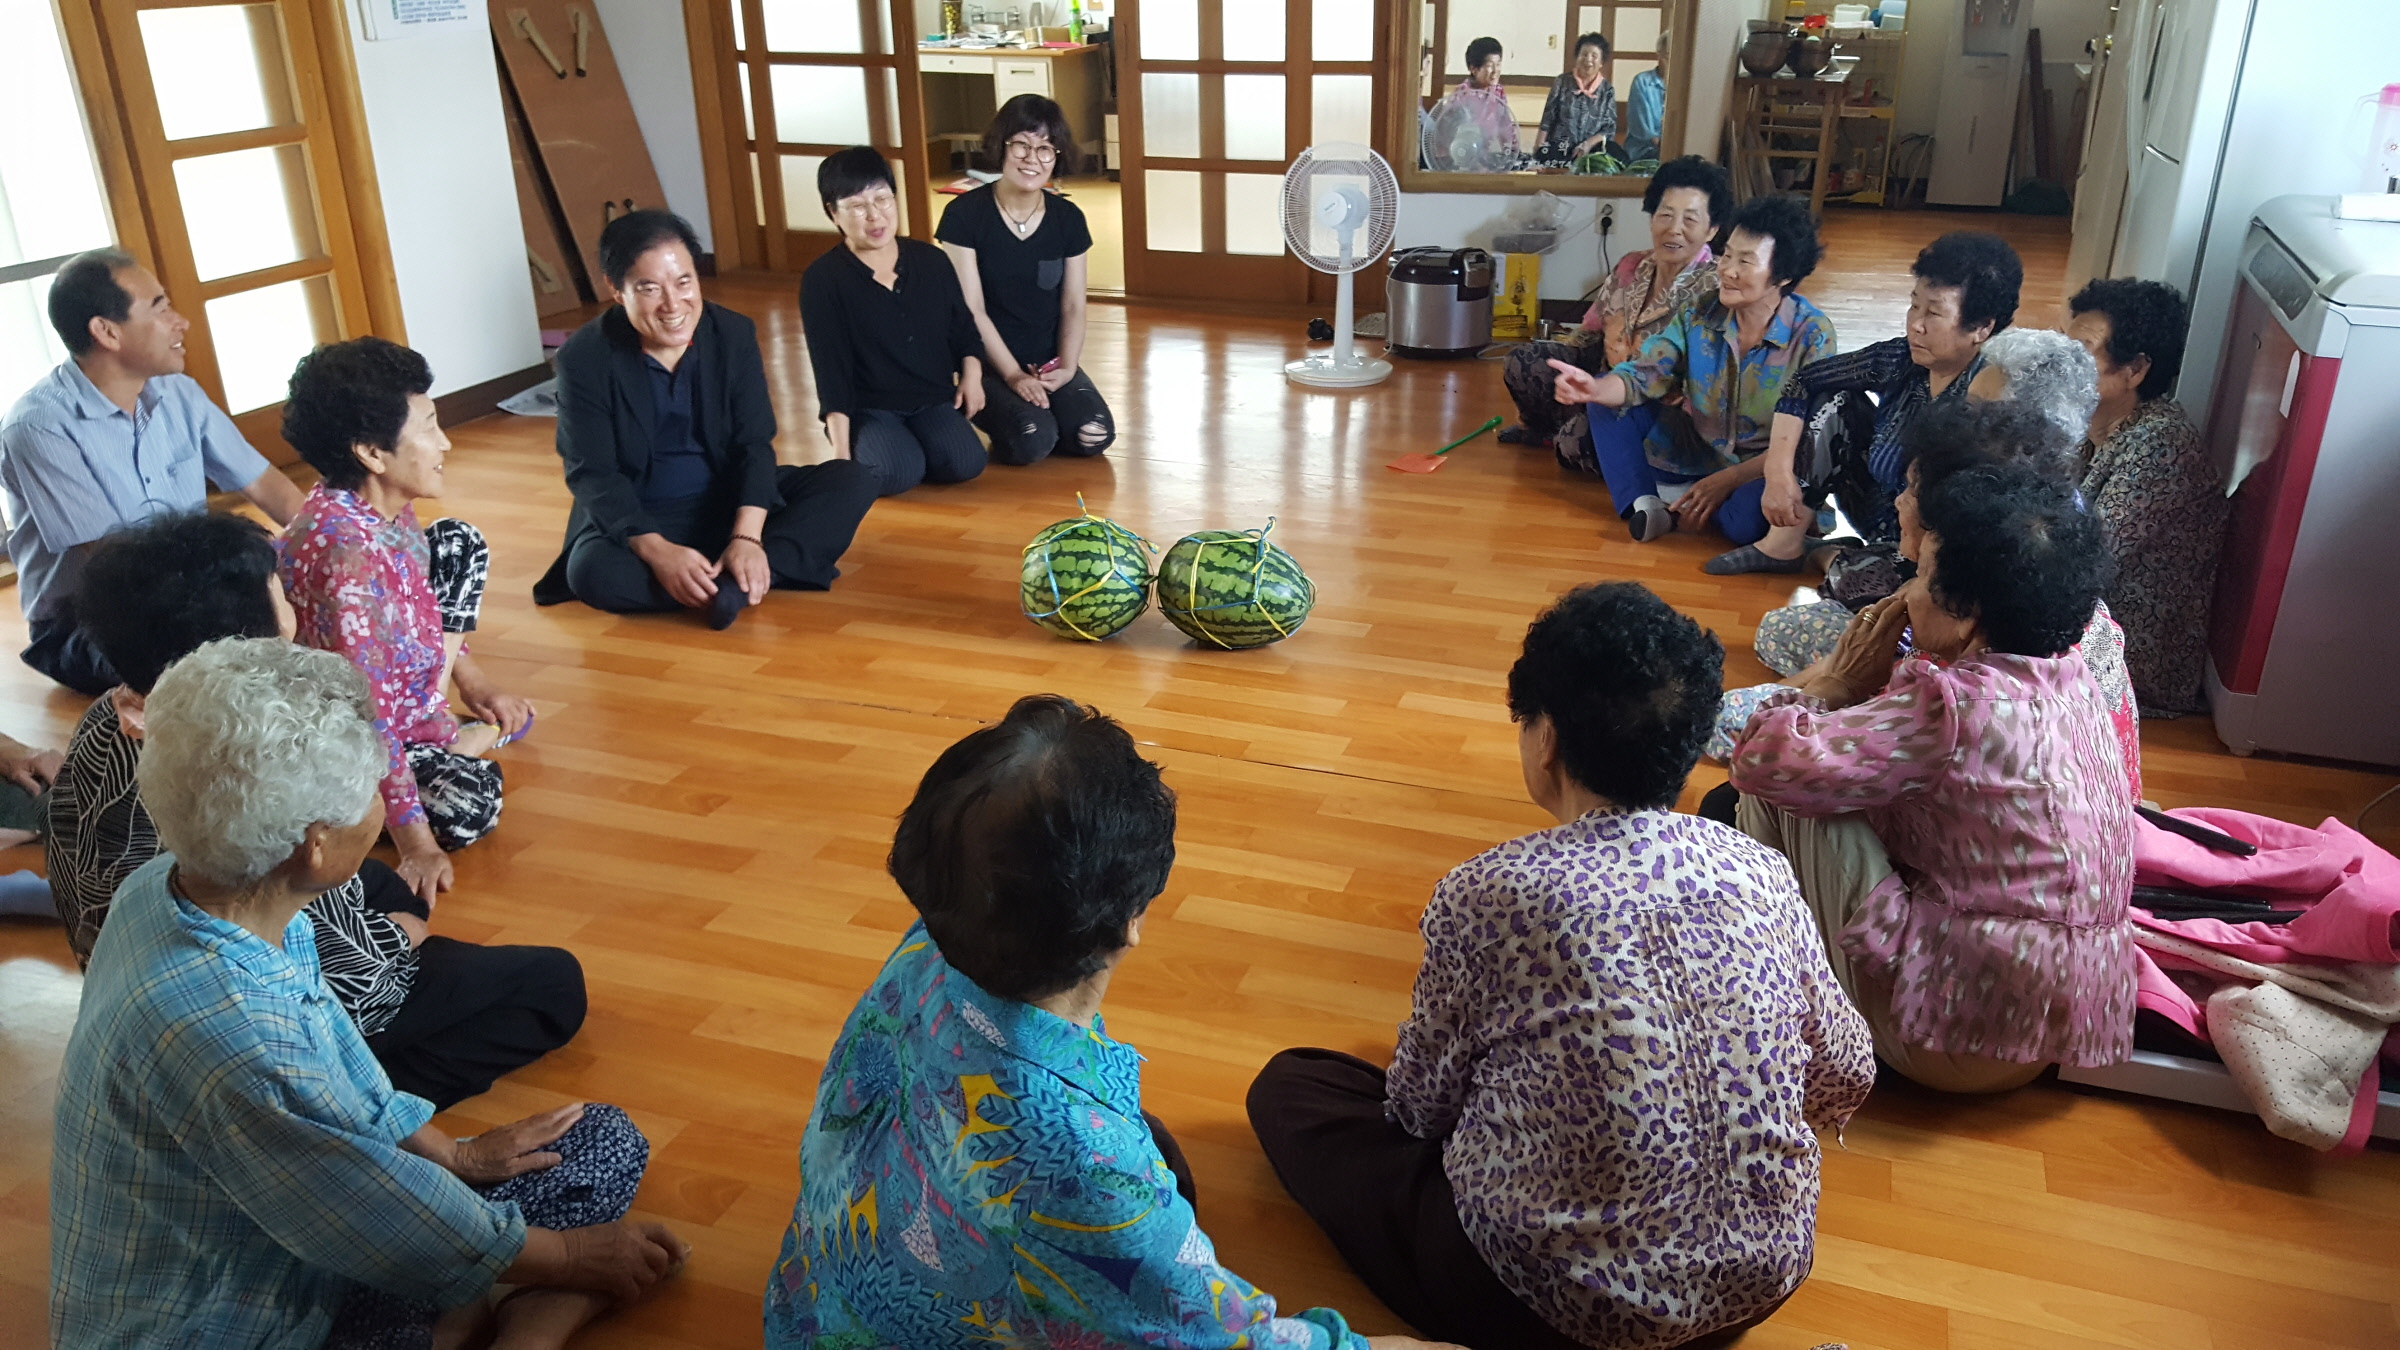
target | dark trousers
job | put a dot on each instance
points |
(1024, 434)
(805, 538)
(1379, 1192)
(60, 650)
(933, 444)
(475, 1013)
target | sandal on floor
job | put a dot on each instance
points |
(1748, 558)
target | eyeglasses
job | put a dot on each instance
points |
(861, 207)
(1038, 153)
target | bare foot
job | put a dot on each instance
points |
(475, 740)
(544, 1319)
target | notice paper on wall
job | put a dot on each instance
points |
(387, 19)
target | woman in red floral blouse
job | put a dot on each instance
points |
(367, 581)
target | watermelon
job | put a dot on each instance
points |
(1233, 589)
(1085, 578)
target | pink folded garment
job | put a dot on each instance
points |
(2349, 887)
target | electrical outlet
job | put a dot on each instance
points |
(1608, 216)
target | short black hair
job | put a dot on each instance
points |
(624, 240)
(1033, 844)
(1962, 434)
(2145, 318)
(86, 289)
(347, 394)
(1986, 271)
(2016, 550)
(1786, 221)
(1592, 40)
(847, 173)
(151, 594)
(1630, 687)
(1481, 50)
(1691, 171)
(1024, 113)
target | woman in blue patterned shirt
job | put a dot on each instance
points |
(978, 1170)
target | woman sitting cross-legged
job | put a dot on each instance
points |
(978, 1168)
(1959, 821)
(1685, 200)
(897, 355)
(231, 1166)
(445, 1018)
(2149, 475)
(1598, 1128)
(368, 582)
(668, 437)
(1727, 358)
(1021, 252)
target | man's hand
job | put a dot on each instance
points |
(513, 1150)
(683, 573)
(970, 393)
(1029, 387)
(746, 562)
(28, 768)
(1699, 502)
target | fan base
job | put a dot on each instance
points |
(1323, 372)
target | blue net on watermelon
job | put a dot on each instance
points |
(1266, 600)
(1085, 577)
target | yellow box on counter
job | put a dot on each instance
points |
(1516, 301)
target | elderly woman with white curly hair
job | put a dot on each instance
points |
(232, 1167)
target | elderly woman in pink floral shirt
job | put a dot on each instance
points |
(1959, 822)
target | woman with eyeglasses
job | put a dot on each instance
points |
(897, 356)
(1020, 251)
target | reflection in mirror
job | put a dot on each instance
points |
(1569, 88)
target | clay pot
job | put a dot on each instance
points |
(1765, 52)
(1809, 54)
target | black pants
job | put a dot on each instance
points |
(60, 650)
(805, 538)
(1024, 434)
(475, 1013)
(933, 444)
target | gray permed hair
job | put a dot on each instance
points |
(2050, 372)
(251, 741)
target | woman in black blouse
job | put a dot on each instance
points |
(896, 352)
(1020, 252)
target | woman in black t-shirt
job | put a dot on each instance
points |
(1020, 252)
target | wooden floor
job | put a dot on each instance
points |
(703, 819)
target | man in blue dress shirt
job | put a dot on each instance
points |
(115, 435)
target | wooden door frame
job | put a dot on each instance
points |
(1211, 275)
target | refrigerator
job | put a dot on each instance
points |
(1975, 123)
(2212, 107)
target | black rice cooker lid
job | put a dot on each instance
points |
(1439, 266)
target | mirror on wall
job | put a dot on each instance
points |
(1571, 96)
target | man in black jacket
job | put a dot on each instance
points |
(668, 438)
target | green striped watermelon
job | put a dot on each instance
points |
(1085, 578)
(1233, 589)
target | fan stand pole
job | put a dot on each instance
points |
(1345, 311)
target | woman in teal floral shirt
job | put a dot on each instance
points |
(978, 1170)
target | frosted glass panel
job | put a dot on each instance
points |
(1254, 30)
(1342, 108)
(749, 113)
(28, 347)
(1344, 30)
(890, 80)
(758, 192)
(1254, 213)
(1254, 117)
(1170, 116)
(260, 335)
(50, 192)
(246, 210)
(216, 68)
(812, 26)
(741, 35)
(1171, 31)
(802, 208)
(1637, 30)
(820, 105)
(1172, 209)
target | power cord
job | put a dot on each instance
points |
(2359, 821)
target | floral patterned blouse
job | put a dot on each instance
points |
(357, 585)
(1622, 317)
(1627, 1029)
(1996, 785)
(2158, 492)
(977, 1173)
(1731, 397)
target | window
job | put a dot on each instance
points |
(52, 201)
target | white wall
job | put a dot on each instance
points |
(646, 37)
(1461, 219)
(450, 201)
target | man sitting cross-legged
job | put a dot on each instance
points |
(445, 1017)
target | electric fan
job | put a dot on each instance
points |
(1340, 202)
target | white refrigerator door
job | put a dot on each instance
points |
(1972, 132)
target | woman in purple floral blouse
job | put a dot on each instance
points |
(366, 581)
(1603, 1006)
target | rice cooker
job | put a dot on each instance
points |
(1440, 302)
